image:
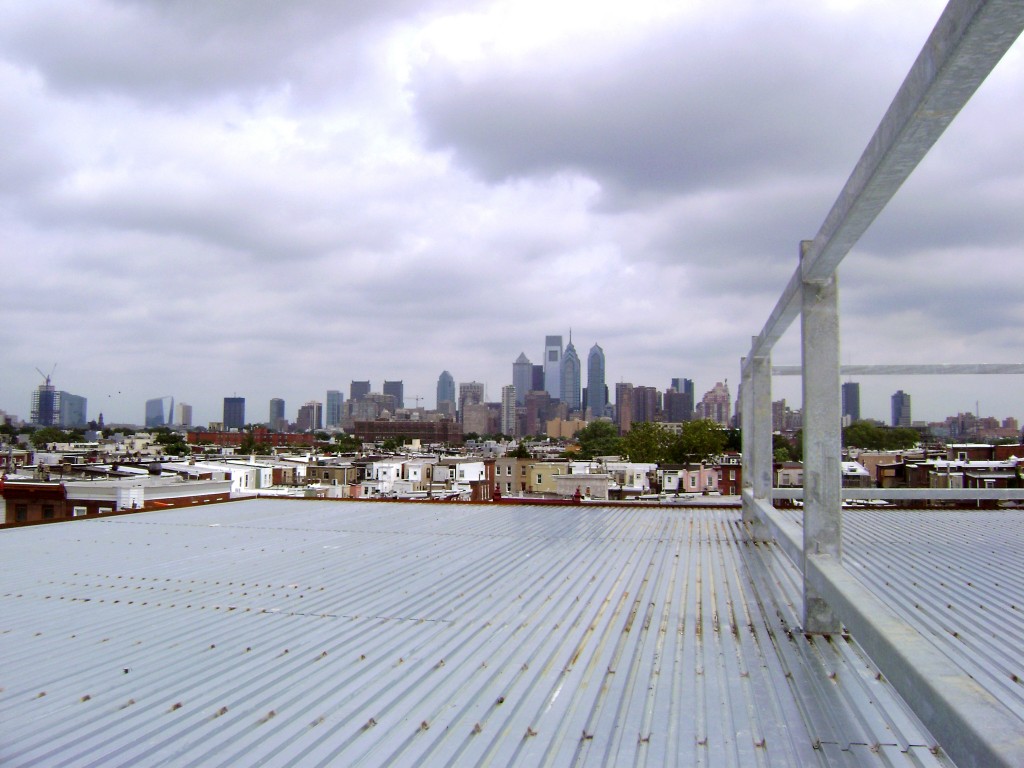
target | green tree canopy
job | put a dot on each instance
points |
(599, 438)
(862, 434)
(647, 442)
(521, 452)
(697, 441)
(46, 435)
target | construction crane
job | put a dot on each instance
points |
(49, 375)
(417, 399)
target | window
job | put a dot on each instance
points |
(47, 511)
(693, 481)
(508, 470)
(106, 510)
(21, 513)
(732, 474)
(508, 487)
(540, 479)
(79, 511)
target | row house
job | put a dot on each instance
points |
(688, 478)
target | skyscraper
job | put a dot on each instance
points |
(277, 417)
(522, 377)
(155, 412)
(901, 409)
(310, 416)
(470, 393)
(184, 415)
(553, 365)
(679, 401)
(234, 413)
(55, 408)
(445, 389)
(358, 389)
(44, 405)
(851, 400)
(397, 390)
(624, 406)
(716, 404)
(597, 390)
(569, 389)
(646, 404)
(508, 409)
(71, 410)
(334, 401)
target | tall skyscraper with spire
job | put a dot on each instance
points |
(569, 391)
(597, 389)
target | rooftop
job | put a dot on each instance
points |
(315, 632)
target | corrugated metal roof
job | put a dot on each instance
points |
(958, 577)
(323, 633)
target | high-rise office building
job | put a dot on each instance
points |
(646, 404)
(71, 411)
(358, 390)
(335, 399)
(851, 400)
(184, 415)
(538, 404)
(277, 417)
(155, 412)
(397, 390)
(624, 406)
(470, 393)
(716, 405)
(445, 389)
(678, 402)
(508, 409)
(553, 366)
(597, 389)
(901, 409)
(569, 390)
(234, 413)
(310, 416)
(522, 377)
(44, 405)
(55, 408)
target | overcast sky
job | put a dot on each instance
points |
(274, 199)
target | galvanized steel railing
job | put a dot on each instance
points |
(972, 725)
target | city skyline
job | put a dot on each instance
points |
(879, 401)
(341, 192)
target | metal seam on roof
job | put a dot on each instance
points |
(433, 634)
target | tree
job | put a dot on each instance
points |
(520, 452)
(172, 442)
(783, 449)
(647, 442)
(697, 441)
(599, 438)
(862, 434)
(47, 435)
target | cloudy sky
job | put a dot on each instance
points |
(273, 199)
